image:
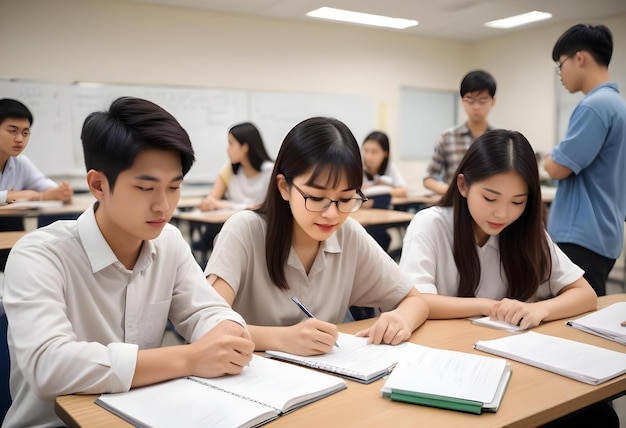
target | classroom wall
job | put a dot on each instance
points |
(114, 41)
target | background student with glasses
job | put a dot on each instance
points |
(302, 243)
(478, 90)
(587, 215)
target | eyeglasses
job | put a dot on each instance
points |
(480, 101)
(559, 64)
(346, 206)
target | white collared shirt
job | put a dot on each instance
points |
(428, 259)
(20, 173)
(77, 316)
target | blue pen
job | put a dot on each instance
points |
(306, 311)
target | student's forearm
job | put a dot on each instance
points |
(447, 307)
(414, 309)
(265, 338)
(159, 364)
(433, 185)
(398, 192)
(576, 299)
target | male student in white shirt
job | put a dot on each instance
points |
(88, 300)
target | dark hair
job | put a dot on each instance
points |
(322, 145)
(15, 109)
(383, 141)
(524, 250)
(595, 39)
(478, 80)
(247, 133)
(112, 139)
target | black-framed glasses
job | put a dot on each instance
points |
(559, 64)
(346, 206)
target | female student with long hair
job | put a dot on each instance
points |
(302, 243)
(244, 180)
(241, 184)
(484, 250)
(377, 169)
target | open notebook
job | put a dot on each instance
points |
(577, 360)
(355, 359)
(449, 379)
(605, 323)
(262, 392)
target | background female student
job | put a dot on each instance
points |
(381, 180)
(485, 251)
(377, 169)
(243, 182)
(301, 242)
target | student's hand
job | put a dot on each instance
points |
(526, 315)
(225, 349)
(310, 337)
(62, 193)
(210, 203)
(391, 328)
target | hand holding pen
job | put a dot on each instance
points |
(306, 311)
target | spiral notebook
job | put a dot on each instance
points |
(262, 392)
(355, 359)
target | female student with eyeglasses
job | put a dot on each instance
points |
(301, 243)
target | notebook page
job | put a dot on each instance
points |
(569, 358)
(277, 384)
(181, 402)
(355, 358)
(606, 321)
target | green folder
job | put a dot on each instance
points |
(461, 405)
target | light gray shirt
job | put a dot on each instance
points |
(78, 317)
(428, 259)
(350, 269)
(244, 191)
(20, 173)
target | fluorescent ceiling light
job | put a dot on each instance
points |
(519, 20)
(361, 18)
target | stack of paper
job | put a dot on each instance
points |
(580, 361)
(449, 379)
(605, 323)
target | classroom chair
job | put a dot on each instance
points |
(5, 367)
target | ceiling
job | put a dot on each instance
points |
(459, 20)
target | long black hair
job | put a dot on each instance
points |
(322, 145)
(524, 250)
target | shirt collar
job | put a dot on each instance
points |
(98, 250)
(331, 245)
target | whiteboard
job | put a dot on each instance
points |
(423, 115)
(275, 113)
(59, 110)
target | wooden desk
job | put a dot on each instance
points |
(8, 239)
(79, 204)
(365, 216)
(418, 202)
(533, 397)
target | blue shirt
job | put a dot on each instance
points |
(590, 204)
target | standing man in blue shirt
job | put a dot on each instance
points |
(587, 215)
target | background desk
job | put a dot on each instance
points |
(534, 396)
(8, 239)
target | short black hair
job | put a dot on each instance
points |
(112, 139)
(15, 109)
(595, 39)
(478, 80)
